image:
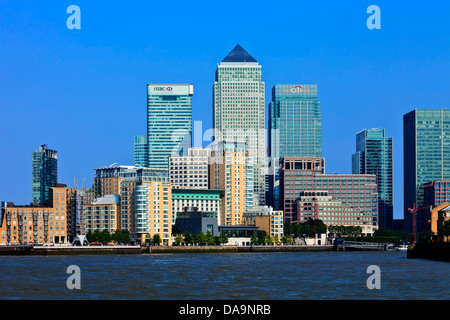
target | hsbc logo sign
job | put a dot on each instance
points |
(170, 89)
(296, 89)
(163, 88)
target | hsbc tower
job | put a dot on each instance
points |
(169, 122)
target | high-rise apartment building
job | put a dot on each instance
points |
(190, 171)
(374, 156)
(169, 122)
(231, 170)
(152, 209)
(44, 174)
(305, 174)
(140, 151)
(239, 110)
(426, 155)
(295, 129)
(124, 181)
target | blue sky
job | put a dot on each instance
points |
(83, 92)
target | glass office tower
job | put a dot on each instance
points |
(295, 122)
(374, 156)
(295, 130)
(140, 151)
(44, 174)
(169, 122)
(239, 111)
(426, 154)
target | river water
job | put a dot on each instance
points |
(234, 276)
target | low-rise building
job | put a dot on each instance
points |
(239, 235)
(195, 222)
(318, 204)
(439, 215)
(37, 224)
(266, 219)
(204, 200)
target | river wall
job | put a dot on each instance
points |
(109, 250)
(68, 250)
(435, 251)
(235, 249)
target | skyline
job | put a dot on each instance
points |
(103, 72)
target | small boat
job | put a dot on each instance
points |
(403, 247)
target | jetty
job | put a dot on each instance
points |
(434, 251)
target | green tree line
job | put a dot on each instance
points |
(104, 237)
(201, 239)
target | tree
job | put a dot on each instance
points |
(121, 236)
(105, 237)
(254, 239)
(90, 236)
(201, 238)
(156, 239)
(148, 239)
(262, 237)
(188, 238)
(223, 239)
(209, 238)
(179, 239)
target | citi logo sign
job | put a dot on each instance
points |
(296, 89)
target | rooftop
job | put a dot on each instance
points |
(238, 54)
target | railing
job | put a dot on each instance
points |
(363, 245)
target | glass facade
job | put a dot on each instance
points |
(374, 156)
(295, 122)
(295, 129)
(169, 122)
(426, 154)
(44, 174)
(140, 151)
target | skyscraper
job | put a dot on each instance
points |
(295, 122)
(169, 122)
(140, 151)
(239, 111)
(426, 154)
(44, 174)
(295, 129)
(374, 156)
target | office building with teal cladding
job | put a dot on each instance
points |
(374, 156)
(140, 151)
(169, 122)
(295, 130)
(295, 121)
(426, 155)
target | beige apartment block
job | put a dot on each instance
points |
(231, 170)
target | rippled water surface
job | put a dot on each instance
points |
(299, 275)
